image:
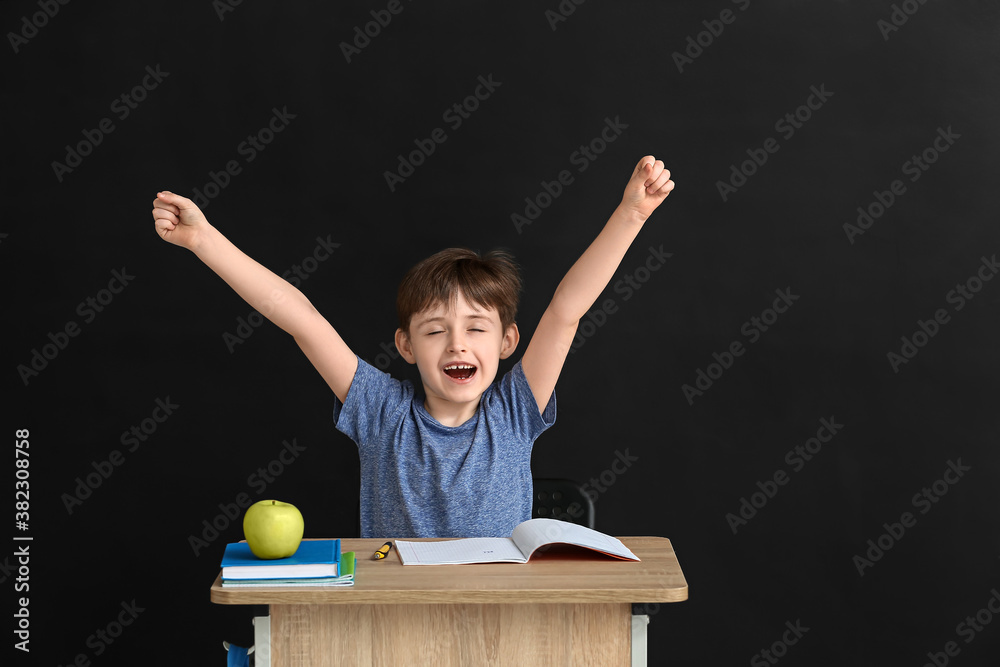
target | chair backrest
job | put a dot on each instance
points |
(562, 499)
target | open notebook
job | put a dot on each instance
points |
(527, 538)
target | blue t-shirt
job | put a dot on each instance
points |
(420, 478)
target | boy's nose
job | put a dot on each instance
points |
(456, 343)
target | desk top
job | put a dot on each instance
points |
(563, 574)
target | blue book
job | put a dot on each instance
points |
(346, 578)
(314, 558)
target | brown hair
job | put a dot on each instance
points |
(490, 281)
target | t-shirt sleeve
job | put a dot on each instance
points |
(514, 398)
(372, 400)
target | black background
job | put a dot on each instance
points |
(162, 336)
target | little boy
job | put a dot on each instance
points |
(454, 461)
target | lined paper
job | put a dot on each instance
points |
(457, 552)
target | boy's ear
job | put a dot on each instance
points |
(509, 342)
(404, 346)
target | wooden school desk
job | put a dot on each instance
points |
(566, 606)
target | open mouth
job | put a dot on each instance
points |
(460, 371)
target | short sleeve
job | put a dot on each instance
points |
(371, 402)
(514, 399)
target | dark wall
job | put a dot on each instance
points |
(809, 481)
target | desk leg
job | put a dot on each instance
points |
(443, 635)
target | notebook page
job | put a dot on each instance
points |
(538, 532)
(457, 552)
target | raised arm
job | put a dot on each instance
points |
(543, 360)
(179, 221)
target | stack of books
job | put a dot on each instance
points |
(315, 563)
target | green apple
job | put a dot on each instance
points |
(273, 529)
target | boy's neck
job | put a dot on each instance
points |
(448, 413)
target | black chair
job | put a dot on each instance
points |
(562, 499)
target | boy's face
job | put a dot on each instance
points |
(443, 341)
